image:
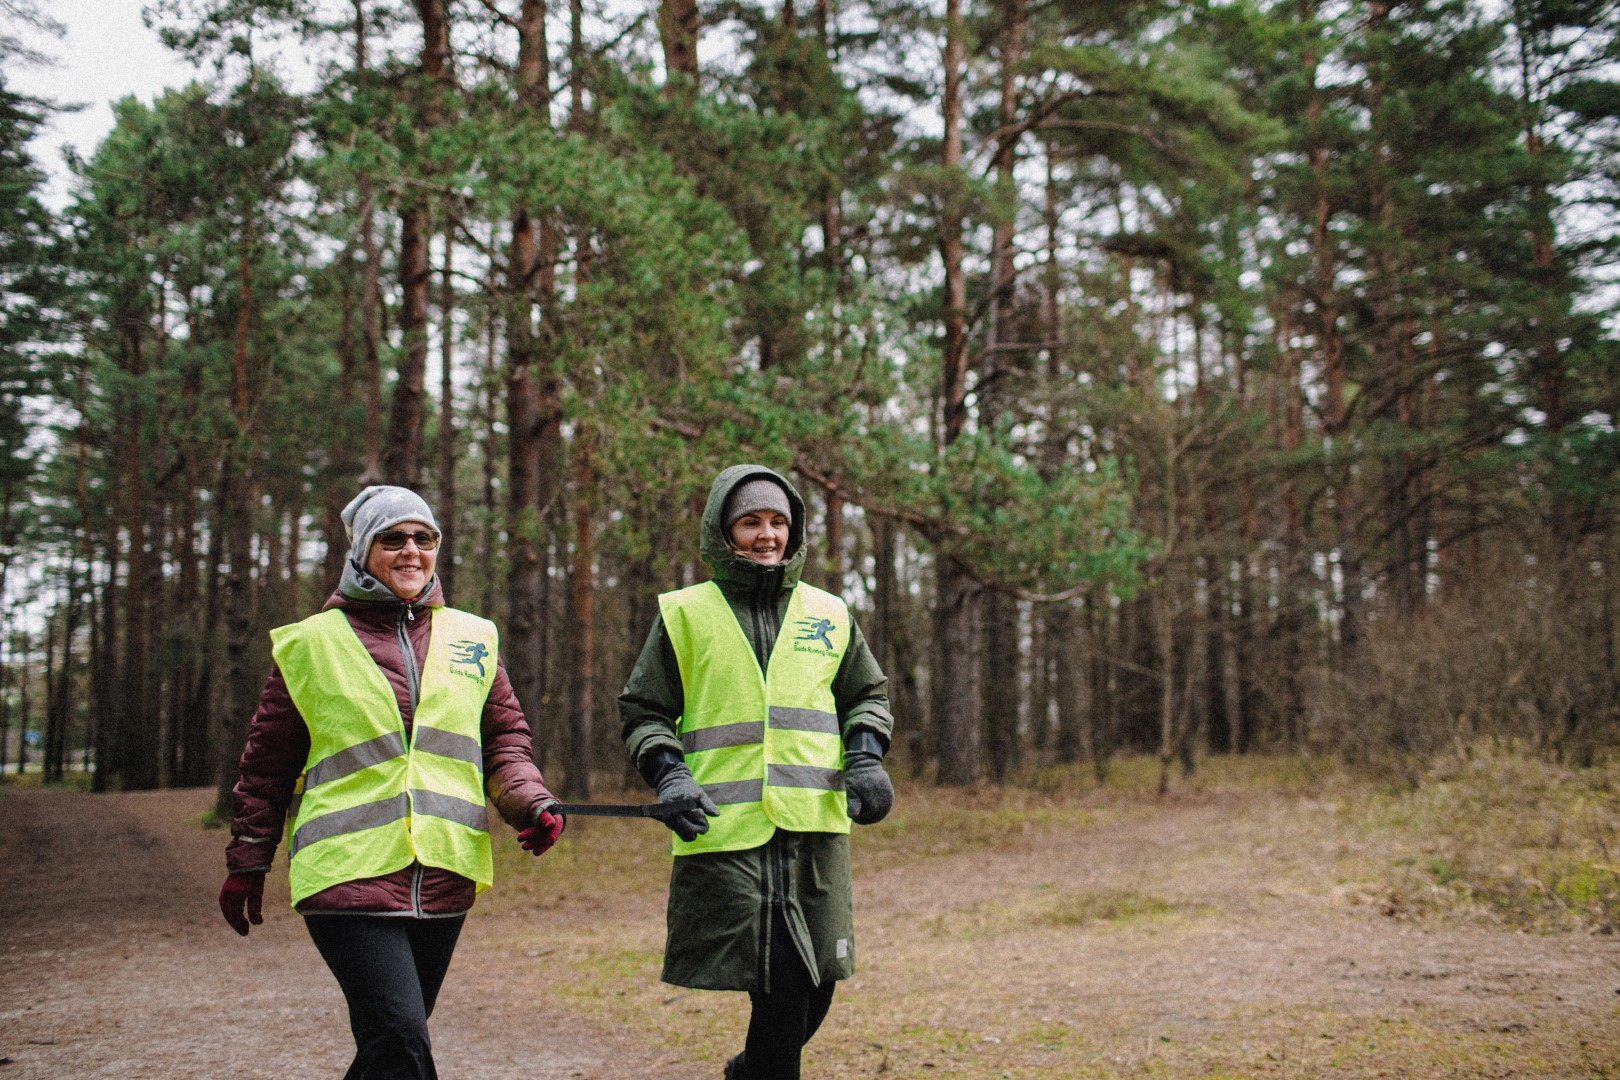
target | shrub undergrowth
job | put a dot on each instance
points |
(1509, 839)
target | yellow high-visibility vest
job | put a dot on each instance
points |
(766, 747)
(370, 802)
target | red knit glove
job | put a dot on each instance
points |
(242, 892)
(538, 838)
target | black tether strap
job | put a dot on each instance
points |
(653, 809)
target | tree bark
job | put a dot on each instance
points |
(1330, 345)
(139, 737)
(582, 617)
(1003, 693)
(237, 501)
(402, 462)
(370, 289)
(534, 413)
(60, 711)
(445, 568)
(678, 25)
(956, 684)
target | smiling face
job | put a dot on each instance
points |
(406, 571)
(761, 535)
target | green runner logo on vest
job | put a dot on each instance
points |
(468, 652)
(814, 630)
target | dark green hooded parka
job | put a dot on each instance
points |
(720, 902)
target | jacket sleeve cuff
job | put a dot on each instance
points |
(250, 855)
(866, 741)
(656, 761)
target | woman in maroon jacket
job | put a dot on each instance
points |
(387, 936)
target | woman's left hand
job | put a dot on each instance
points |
(538, 838)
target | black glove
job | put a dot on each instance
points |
(677, 784)
(867, 786)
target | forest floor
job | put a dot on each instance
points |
(1217, 932)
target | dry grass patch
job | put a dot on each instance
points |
(1504, 839)
(1072, 930)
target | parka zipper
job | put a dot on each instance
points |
(775, 871)
(762, 612)
(767, 626)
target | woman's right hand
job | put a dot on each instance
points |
(548, 825)
(241, 900)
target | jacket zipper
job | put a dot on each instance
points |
(408, 658)
(413, 689)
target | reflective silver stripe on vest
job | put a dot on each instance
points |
(460, 811)
(736, 791)
(786, 719)
(353, 819)
(723, 735)
(806, 776)
(449, 744)
(351, 759)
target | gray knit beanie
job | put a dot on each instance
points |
(376, 508)
(760, 493)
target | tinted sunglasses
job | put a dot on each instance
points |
(394, 539)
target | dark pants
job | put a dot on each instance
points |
(390, 969)
(783, 1020)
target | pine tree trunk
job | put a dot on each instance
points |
(1330, 345)
(370, 287)
(237, 498)
(1003, 691)
(139, 732)
(402, 462)
(533, 413)
(344, 478)
(61, 700)
(194, 764)
(582, 612)
(1069, 738)
(487, 498)
(679, 22)
(240, 589)
(1393, 361)
(956, 684)
(203, 707)
(448, 509)
(956, 700)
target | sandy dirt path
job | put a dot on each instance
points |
(117, 964)
(1270, 962)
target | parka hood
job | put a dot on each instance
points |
(716, 549)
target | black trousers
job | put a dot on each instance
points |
(783, 1020)
(390, 969)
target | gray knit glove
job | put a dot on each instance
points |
(871, 795)
(677, 784)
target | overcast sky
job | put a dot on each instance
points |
(107, 54)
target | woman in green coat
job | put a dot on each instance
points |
(756, 699)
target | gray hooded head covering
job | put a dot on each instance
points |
(724, 562)
(378, 507)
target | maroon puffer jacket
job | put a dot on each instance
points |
(278, 746)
